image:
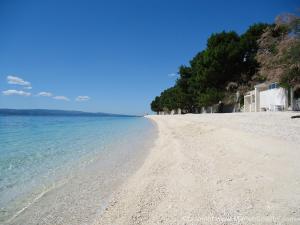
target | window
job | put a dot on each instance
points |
(273, 86)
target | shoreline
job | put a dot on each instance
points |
(83, 192)
(213, 168)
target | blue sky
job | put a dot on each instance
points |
(116, 55)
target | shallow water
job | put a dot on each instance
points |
(62, 170)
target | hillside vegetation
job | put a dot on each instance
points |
(233, 62)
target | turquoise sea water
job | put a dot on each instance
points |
(43, 158)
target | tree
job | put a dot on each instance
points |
(170, 99)
(183, 84)
(249, 47)
(290, 21)
(155, 104)
(228, 59)
(209, 97)
(222, 59)
(279, 51)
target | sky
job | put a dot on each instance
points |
(109, 56)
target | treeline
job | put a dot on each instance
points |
(229, 63)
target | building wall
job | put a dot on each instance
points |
(273, 97)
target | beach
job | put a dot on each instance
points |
(239, 168)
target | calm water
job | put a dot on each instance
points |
(48, 163)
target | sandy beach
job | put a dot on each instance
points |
(215, 169)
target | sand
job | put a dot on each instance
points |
(241, 168)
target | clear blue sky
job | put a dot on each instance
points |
(118, 53)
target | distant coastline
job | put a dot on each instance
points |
(50, 112)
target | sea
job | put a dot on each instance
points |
(64, 169)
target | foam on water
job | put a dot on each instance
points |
(62, 170)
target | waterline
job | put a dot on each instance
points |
(70, 166)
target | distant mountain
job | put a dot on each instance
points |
(49, 112)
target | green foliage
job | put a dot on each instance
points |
(209, 97)
(227, 58)
(249, 46)
(221, 59)
(172, 98)
(155, 105)
(292, 76)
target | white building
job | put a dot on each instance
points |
(269, 97)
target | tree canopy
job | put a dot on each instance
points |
(232, 62)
